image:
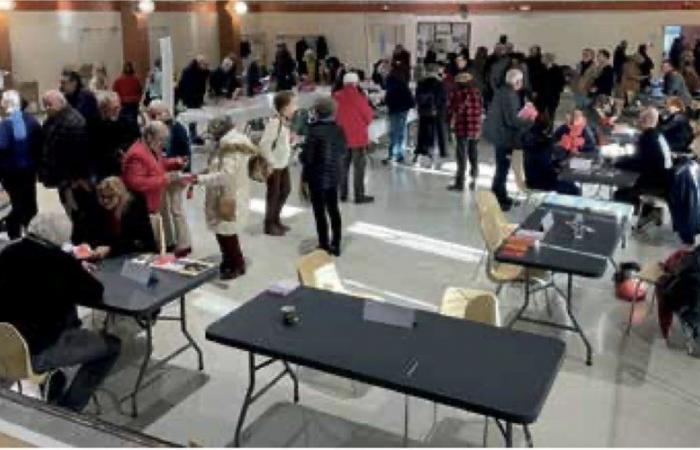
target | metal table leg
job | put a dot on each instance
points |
(526, 305)
(577, 327)
(248, 399)
(405, 422)
(148, 326)
(528, 436)
(188, 336)
(509, 435)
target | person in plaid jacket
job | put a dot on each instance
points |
(466, 109)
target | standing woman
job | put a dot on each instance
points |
(20, 146)
(646, 66)
(129, 89)
(276, 146)
(154, 86)
(399, 101)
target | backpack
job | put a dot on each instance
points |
(426, 102)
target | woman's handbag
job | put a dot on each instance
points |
(258, 168)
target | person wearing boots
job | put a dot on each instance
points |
(323, 150)
(466, 108)
(276, 146)
(228, 193)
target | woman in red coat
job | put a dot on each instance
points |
(145, 169)
(128, 88)
(354, 117)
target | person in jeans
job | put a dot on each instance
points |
(20, 145)
(399, 101)
(276, 146)
(466, 109)
(503, 128)
(354, 116)
(324, 148)
(41, 286)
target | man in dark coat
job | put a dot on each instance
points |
(619, 58)
(193, 83)
(114, 137)
(553, 84)
(431, 102)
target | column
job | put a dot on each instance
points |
(229, 30)
(5, 49)
(135, 42)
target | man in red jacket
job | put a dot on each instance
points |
(354, 116)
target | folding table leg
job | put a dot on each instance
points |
(569, 311)
(148, 326)
(248, 399)
(188, 336)
(527, 300)
(528, 436)
(509, 435)
(405, 422)
(295, 380)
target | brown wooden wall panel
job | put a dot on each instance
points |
(229, 31)
(135, 42)
(5, 50)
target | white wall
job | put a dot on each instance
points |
(42, 43)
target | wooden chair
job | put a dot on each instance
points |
(318, 270)
(15, 359)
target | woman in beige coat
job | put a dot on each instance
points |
(631, 80)
(228, 193)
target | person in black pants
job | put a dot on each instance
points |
(323, 151)
(431, 101)
(20, 145)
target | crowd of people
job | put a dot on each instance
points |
(121, 163)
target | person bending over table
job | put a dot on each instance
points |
(539, 160)
(652, 160)
(122, 226)
(675, 126)
(41, 286)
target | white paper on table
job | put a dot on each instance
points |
(580, 164)
(611, 150)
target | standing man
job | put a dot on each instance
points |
(399, 101)
(431, 102)
(466, 108)
(586, 72)
(674, 83)
(619, 58)
(605, 81)
(193, 83)
(354, 117)
(503, 128)
(552, 86)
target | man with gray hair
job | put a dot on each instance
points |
(114, 136)
(20, 144)
(652, 160)
(41, 287)
(503, 127)
(324, 149)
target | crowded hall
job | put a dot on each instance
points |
(399, 223)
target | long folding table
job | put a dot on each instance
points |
(499, 373)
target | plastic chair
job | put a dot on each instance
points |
(650, 274)
(318, 270)
(15, 359)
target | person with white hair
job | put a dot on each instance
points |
(223, 82)
(42, 286)
(177, 232)
(114, 136)
(652, 160)
(20, 145)
(354, 115)
(148, 172)
(503, 127)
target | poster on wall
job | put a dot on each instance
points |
(442, 37)
(166, 57)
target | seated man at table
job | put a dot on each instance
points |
(122, 225)
(539, 162)
(575, 136)
(652, 160)
(675, 126)
(41, 286)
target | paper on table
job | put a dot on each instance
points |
(580, 164)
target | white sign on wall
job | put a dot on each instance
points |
(166, 58)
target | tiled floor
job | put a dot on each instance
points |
(414, 242)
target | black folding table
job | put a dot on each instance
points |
(561, 252)
(600, 175)
(496, 372)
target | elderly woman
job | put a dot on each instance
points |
(147, 171)
(123, 226)
(675, 126)
(575, 136)
(228, 193)
(652, 160)
(43, 286)
(20, 146)
(177, 233)
(503, 127)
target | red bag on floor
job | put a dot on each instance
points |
(627, 286)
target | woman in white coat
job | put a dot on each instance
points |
(228, 193)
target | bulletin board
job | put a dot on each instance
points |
(445, 37)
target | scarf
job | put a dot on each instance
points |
(573, 141)
(19, 129)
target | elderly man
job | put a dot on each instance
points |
(652, 160)
(674, 83)
(503, 127)
(65, 160)
(177, 233)
(41, 286)
(354, 116)
(193, 83)
(115, 134)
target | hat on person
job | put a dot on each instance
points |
(219, 126)
(351, 78)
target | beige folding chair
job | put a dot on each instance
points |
(318, 270)
(650, 274)
(15, 360)
(487, 204)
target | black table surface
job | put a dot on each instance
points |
(497, 372)
(587, 257)
(124, 296)
(598, 174)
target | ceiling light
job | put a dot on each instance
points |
(147, 6)
(6, 5)
(240, 8)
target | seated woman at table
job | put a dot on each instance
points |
(602, 116)
(652, 160)
(575, 136)
(41, 287)
(123, 226)
(540, 164)
(675, 126)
